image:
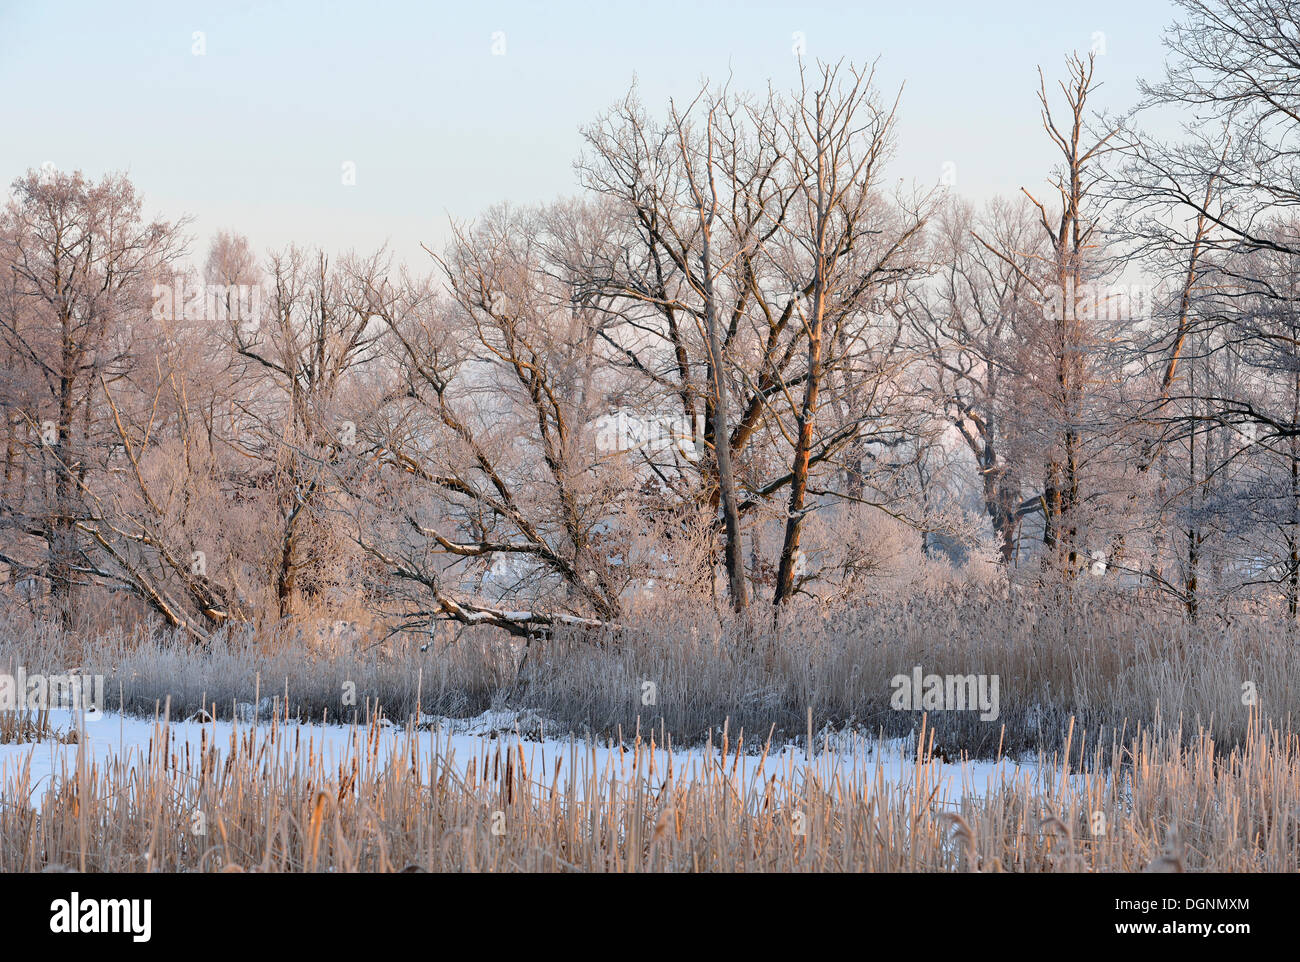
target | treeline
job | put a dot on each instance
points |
(745, 365)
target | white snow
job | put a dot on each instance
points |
(853, 759)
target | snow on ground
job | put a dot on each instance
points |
(851, 758)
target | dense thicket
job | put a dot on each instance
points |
(743, 365)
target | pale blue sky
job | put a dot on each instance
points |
(252, 134)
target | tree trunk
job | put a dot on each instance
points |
(734, 558)
(802, 452)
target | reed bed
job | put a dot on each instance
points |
(30, 726)
(1103, 660)
(265, 800)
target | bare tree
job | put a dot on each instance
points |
(79, 259)
(699, 199)
(968, 322)
(483, 441)
(835, 140)
(318, 329)
(1233, 63)
(754, 166)
(1064, 337)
